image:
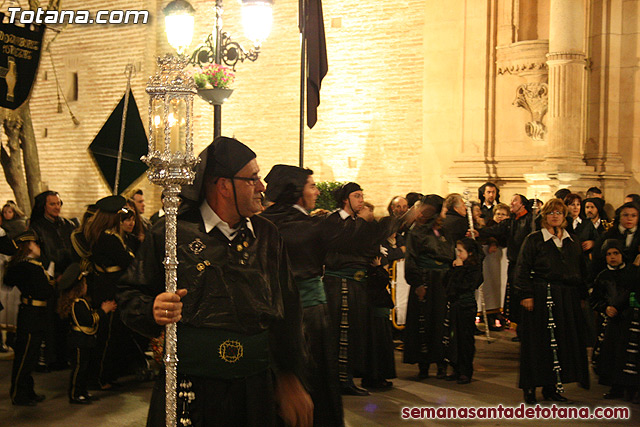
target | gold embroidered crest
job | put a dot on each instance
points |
(231, 351)
(197, 246)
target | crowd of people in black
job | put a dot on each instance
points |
(563, 271)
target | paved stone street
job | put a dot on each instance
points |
(494, 383)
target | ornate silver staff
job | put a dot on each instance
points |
(171, 165)
(467, 203)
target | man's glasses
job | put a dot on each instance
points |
(251, 181)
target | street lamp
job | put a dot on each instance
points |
(219, 47)
(179, 21)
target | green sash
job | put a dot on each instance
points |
(311, 292)
(213, 353)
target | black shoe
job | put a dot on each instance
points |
(80, 400)
(380, 384)
(515, 339)
(26, 402)
(353, 390)
(38, 397)
(452, 377)
(442, 373)
(530, 396)
(424, 373)
(463, 379)
(553, 395)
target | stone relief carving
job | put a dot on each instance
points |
(533, 97)
(523, 58)
(520, 67)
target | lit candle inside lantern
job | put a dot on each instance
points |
(157, 132)
(178, 125)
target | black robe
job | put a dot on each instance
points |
(113, 353)
(612, 288)
(231, 287)
(461, 283)
(55, 242)
(56, 247)
(541, 263)
(302, 235)
(36, 288)
(429, 257)
(351, 244)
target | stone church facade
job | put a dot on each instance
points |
(428, 96)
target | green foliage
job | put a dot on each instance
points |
(325, 199)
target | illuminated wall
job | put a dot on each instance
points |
(416, 99)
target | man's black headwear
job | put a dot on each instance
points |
(39, 203)
(343, 192)
(28, 235)
(594, 190)
(111, 204)
(223, 158)
(433, 200)
(599, 204)
(71, 276)
(412, 198)
(285, 183)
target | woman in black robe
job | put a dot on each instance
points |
(109, 258)
(429, 257)
(550, 281)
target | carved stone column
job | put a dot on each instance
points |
(567, 76)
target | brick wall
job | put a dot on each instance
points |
(369, 128)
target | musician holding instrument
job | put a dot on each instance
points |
(551, 286)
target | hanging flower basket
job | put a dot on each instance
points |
(213, 81)
(215, 96)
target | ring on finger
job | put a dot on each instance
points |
(166, 313)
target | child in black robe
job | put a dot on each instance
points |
(26, 273)
(615, 357)
(84, 325)
(461, 282)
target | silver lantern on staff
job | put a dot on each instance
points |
(171, 165)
